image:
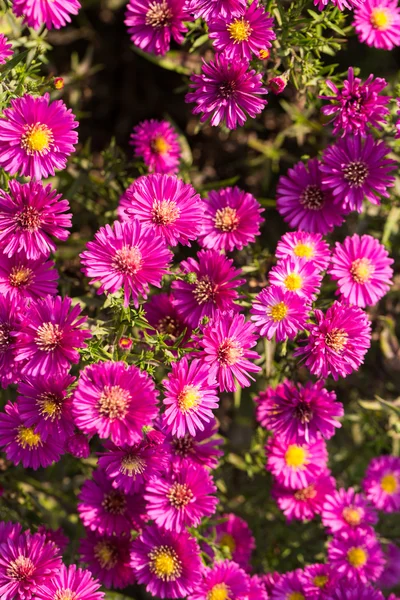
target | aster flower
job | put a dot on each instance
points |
(242, 35)
(114, 400)
(163, 316)
(9, 531)
(355, 591)
(167, 563)
(270, 580)
(54, 535)
(152, 23)
(202, 449)
(296, 276)
(391, 574)
(50, 336)
(361, 265)
(36, 136)
(212, 9)
(45, 405)
(126, 256)
(224, 579)
(78, 445)
(54, 14)
(10, 319)
(29, 215)
(356, 168)
(234, 534)
(377, 23)
(213, 290)
(168, 206)
(309, 247)
(257, 589)
(356, 554)
(290, 585)
(157, 143)
(23, 445)
(108, 558)
(382, 483)
(295, 465)
(341, 4)
(304, 203)
(337, 342)
(23, 278)
(279, 313)
(358, 105)
(344, 510)
(227, 91)
(319, 581)
(300, 413)
(5, 49)
(231, 220)
(70, 583)
(225, 344)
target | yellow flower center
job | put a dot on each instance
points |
(295, 596)
(165, 564)
(293, 282)
(37, 139)
(164, 212)
(304, 251)
(106, 554)
(27, 437)
(50, 405)
(336, 339)
(278, 311)
(357, 557)
(66, 594)
(132, 465)
(188, 398)
(219, 592)
(352, 516)
(295, 456)
(380, 19)
(160, 145)
(228, 541)
(239, 30)
(20, 276)
(361, 270)
(389, 483)
(226, 219)
(320, 580)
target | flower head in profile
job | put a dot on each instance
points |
(108, 558)
(231, 220)
(234, 534)
(290, 585)
(377, 23)
(224, 580)
(296, 465)
(5, 49)
(70, 583)
(202, 449)
(319, 581)
(36, 136)
(26, 279)
(11, 312)
(345, 510)
(309, 247)
(227, 91)
(296, 276)
(356, 554)
(53, 15)
(361, 265)
(381, 484)
(156, 142)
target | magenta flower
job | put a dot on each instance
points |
(356, 554)
(356, 168)
(108, 558)
(126, 256)
(167, 563)
(227, 91)
(50, 336)
(78, 445)
(319, 581)
(296, 465)
(290, 585)
(115, 400)
(157, 143)
(241, 36)
(355, 591)
(377, 23)
(152, 24)
(163, 316)
(212, 9)
(309, 247)
(9, 531)
(296, 276)
(23, 444)
(361, 265)
(226, 350)
(5, 49)
(45, 405)
(168, 206)
(54, 535)
(300, 413)
(341, 4)
(231, 220)
(279, 313)
(382, 483)
(29, 215)
(304, 503)
(201, 449)
(345, 510)
(213, 290)
(70, 583)
(257, 589)
(10, 321)
(224, 579)
(358, 105)
(337, 342)
(36, 137)
(302, 201)
(391, 573)
(54, 14)
(234, 533)
(26, 279)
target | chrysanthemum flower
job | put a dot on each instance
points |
(25, 563)
(377, 23)
(234, 534)
(231, 220)
(270, 580)
(341, 4)
(10, 319)
(54, 14)
(358, 105)
(23, 278)
(190, 397)
(78, 445)
(212, 9)
(297, 277)
(167, 563)
(391, 573)
(36, 136)
(29, 214)
(23, 444)
(304, 503)
(168, 206)
(355, 591)
(289, 586)
(201, 449)
(257, 589)
(115, 400)
(356, 168)
(319, 581)
(163, 316)
(309, 247)
(126, 256)
(5, 49)
(300, 413)
(356, 554)
(295, 465)
(225, 345)
(227, 91)
(213, 290)
(152, 23)
(279, 313)
(382, 483)
(9, 531)
(244, 35)
(45, 405)
(337, 342)
(70, 583)
(108, 558)
(50, 336)
(302, 201)
(344, 510)
(54, 535)
(361, 265)
(156, 142)
(224, 580)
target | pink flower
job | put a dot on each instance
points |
(234, 533)
(224, 578)
(108, 559)
(202, 449)
(5, 49)
(345, 510)
(296, 277)
(54, 14)
(26, 279)
(212, 9)
(309, 247)
(296, 465)
(10, 321)
(377, 23)
(382, 483)
(70, 582)
(157, 143)
(357, 555)
(319, 581)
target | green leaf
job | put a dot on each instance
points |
(13, 62)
